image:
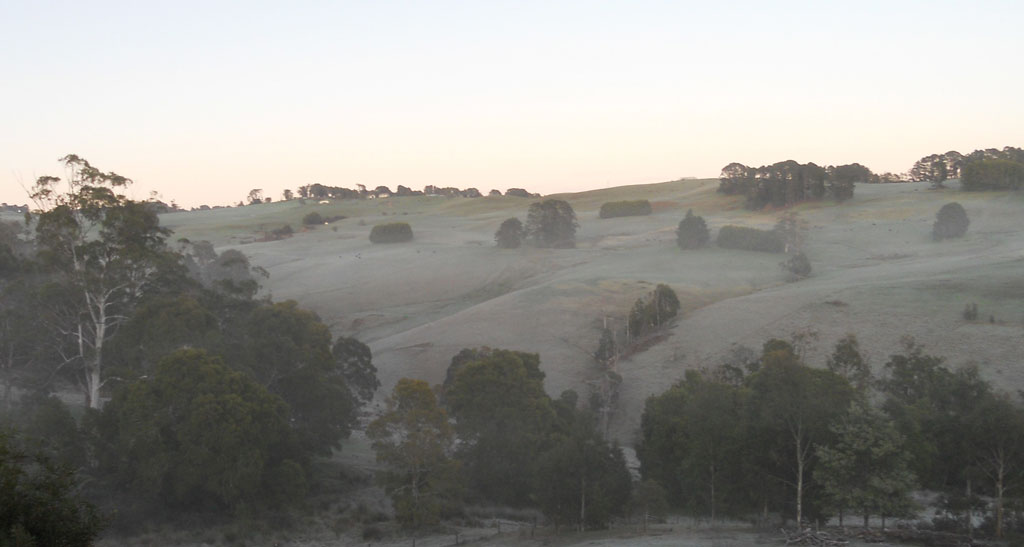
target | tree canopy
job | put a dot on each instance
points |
(552, 223)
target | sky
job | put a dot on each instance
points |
(203, 101)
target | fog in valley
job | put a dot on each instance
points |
(530, 274)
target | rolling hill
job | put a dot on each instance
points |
(877, 274)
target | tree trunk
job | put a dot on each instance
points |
(799, 482)
(999, 498)
(712, 494)
(583, 504)
(970, 519)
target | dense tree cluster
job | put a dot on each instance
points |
(987, 169)
(775, 436)
(652, 311)
(789, 182)
(993, 174)
(634, 208)
(516, 445)
(39, 499)
(199, 396)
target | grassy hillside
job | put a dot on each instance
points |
(877, 274)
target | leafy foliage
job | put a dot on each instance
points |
(393, 232)
(414, 440)
(552, 223)
(581, 480)
(654, 310)
(692, 232)
(289, 353)
(312, 218)
(198, 434)
(993, 174)
(503, 417)
(101, 276)
(510, 234)
(950, 222)
(354, 360)
(867, 468)
(612, 209)
(788, 182)
(847, 361)
(39, 503)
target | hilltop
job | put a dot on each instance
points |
(877, 274)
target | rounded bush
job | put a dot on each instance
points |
(951, 221)
(312, 218)
(636, 208)
(393, 232)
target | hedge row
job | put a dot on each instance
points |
(993, 175)
(640, 207)
(750, 239)
(394, 232)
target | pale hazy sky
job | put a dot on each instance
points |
(203, 101)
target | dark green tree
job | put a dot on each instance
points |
(288, 351)
(503, 418)
(996, 439)
(649, 501)
(354, 360)
(692, 232)
(867, 467)
(414, 440)
(950, 222)
(510, 234)
(692, 440)
(197, 434)
(552, 223)
(654, 310)
(795, 405)
(929, 405)
(581, 480)
(39, 500)
(847, 361)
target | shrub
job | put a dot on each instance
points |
(798, 265)
(510, 234)
(282, 232)
(393, 232)
(612, 209)
(692, 232)
(970, 312)
(750, 239)
(39, 500)
(951, 221)
(312, 218)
